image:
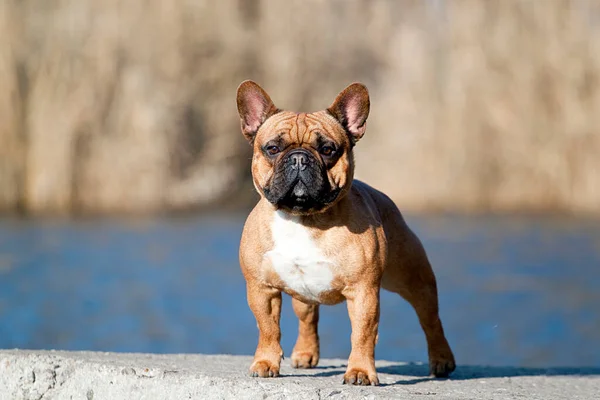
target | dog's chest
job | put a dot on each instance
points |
(296, 258)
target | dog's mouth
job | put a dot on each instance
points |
(301, 200)
(300, 184)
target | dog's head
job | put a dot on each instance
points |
(302, 162)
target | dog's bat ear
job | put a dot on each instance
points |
(351, 109)
(254, 106)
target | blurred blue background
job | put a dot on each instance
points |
(514, 290)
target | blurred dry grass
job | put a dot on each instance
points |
(128, 105)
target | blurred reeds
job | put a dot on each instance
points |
(129, 105)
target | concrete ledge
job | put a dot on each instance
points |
(88, 375)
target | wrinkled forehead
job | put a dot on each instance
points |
(302, 127)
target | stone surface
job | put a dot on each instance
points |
(89, 375)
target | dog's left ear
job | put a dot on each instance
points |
(351, 108)
(254, 106)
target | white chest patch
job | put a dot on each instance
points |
(297, 260)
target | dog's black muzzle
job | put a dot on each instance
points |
(300, 183)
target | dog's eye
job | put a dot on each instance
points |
(272, 150)
(327, 150)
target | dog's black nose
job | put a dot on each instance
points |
(299, 160)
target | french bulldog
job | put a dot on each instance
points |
(322, 237)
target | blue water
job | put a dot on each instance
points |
(517, 291)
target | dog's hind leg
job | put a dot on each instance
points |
(306, 350)
(412, 278)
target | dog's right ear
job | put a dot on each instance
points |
(254, 106)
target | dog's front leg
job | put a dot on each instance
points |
(265, 303)
(363, 308)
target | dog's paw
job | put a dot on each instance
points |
(264, 369)
(305, 359)
(442, 367)
(357, 376)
